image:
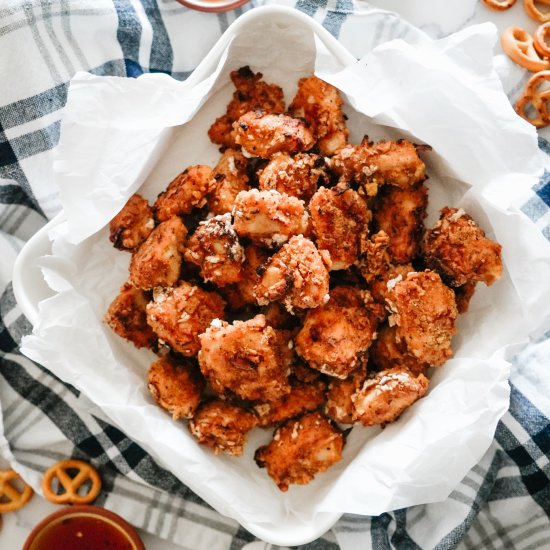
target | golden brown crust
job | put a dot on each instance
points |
(269, 218)
(216, 249)
(157, 262)
(251, 93)
(300, 450)
(179, 315)
(222, 426)
(379, 285)
(320, 104)
(296, 175)
(185, 192)
(383, 398)
(262, 134)
(339, 405)
(126, 316)
(424, 313)
(249, 359)
(132, 225)
(340, 220)
(335, 337)
(297, 275)
(400, 214)
(176, 385)
(229, 178)
(459, 251)
(374, 259)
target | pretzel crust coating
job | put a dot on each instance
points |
(230, 177)
(424, 313)
(216, 249)
(320, 104)
(379, 285)
(157, 262)
(372, 165)
(176, 386)
(262, 134)
(269, 218)
(340, 219)
(251, 93)
(179, 314)
(301, 399)
(126, 316)
(247, 358)
(383, 398)
(185, 192)
(132, 225)
(296, 175)
(339, 406)
(400, 214)
(374, 259)
(459, 251)
(222, 426)
(296, 274)
(335, 337)
(300, 450)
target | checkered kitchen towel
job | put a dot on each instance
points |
(504, 502)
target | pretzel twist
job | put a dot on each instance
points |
(518, 44)
(499, 5)
(71, 485)
(539, 40)
(15, 498)
(534, 13)
(537, 98)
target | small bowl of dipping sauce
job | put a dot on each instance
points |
(212, 5)
(83, 527)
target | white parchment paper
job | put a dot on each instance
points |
(120, 135)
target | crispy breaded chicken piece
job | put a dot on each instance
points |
(262, 134)
(463, 295)
(230, 177)
(388, 352)
(335, 337)
(374, 259)
(301, 399)
(459, 251)
(222, 426)
(339, 406)
(185, 192)
(180, 314)
(320, 104)
(132, 225)
(340, 219)
(251, 93)
(216, 249)
(296, 175)
(301, 449)
(372, 165)
(424, 312)
(383, 398)
(400, 214)
(176, 385)
(277, 316)
(126, 316)
(157, 262)
(247, 358)
(302, 372)
(296, 274)
(379, 285)
(269, 218)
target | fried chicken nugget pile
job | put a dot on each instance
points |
(309, 296)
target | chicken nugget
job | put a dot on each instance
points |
(374, 258)
(384, 397)
(176, 385)
(179, 315)
(132, 225)
(339, 405)
(222, 426)
(300, 450)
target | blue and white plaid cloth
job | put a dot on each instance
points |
(503, 502)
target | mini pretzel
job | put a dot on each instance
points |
(539, 40)
(15, 498)
(499, 5)
(534, 13)
(537, 98)
(71, 485)
(518, 44)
